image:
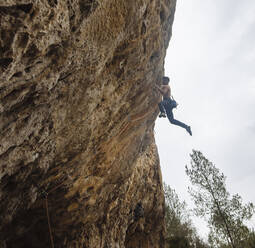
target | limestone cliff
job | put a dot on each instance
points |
(78, 162)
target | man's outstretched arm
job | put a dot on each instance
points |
(160, 90)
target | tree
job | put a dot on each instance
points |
(225, 214)
(176, 211)
(250, 242)
(179, 228)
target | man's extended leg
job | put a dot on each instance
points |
(170, 117)
(162, 110)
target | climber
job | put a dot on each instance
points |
(166, 106)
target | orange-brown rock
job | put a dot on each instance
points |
(77, 112)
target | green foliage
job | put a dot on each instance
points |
(180, 232)
(250, 241)
(225, 214)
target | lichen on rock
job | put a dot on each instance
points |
(77, 112)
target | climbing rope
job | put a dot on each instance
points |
(48, 218)
(46, 195)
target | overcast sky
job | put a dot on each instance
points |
(211, 65)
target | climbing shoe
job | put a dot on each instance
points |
(188, 129)
(162, 115)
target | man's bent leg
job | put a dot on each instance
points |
(162, 110)
(161, 107)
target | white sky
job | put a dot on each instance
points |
(211, 65)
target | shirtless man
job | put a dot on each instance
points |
(166, 106)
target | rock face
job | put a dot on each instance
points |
(78, 162)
